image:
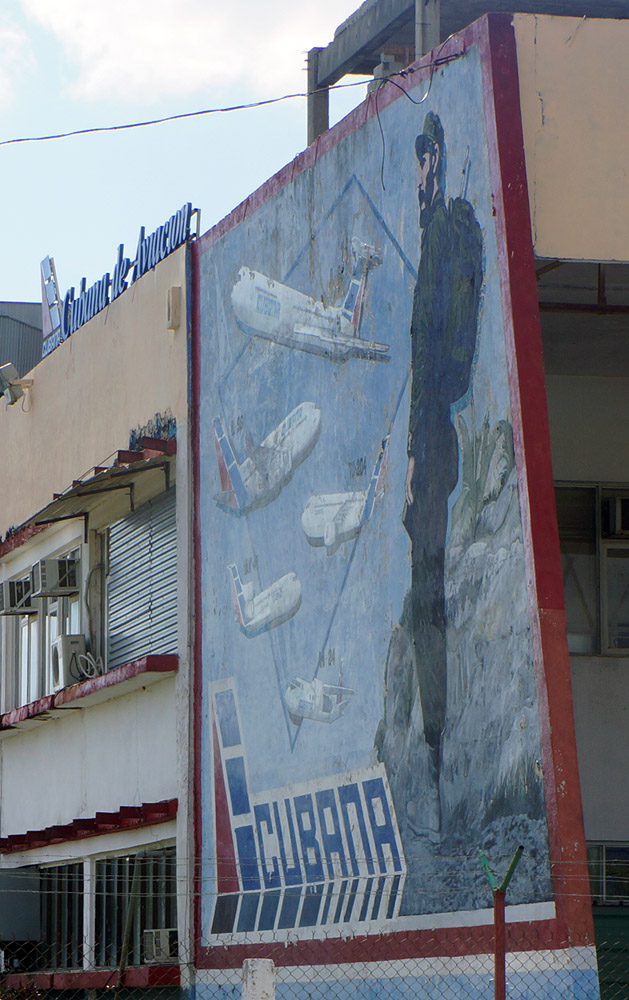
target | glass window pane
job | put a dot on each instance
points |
(617, 592)
(576, 515)
(616, 874)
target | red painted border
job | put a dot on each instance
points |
(525, 363)
(163, 663)
(494, 35)
(91, 979)
(125, 818)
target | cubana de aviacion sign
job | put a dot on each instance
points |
(78, 309)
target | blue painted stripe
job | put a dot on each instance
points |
(228, 718)
(237, 781)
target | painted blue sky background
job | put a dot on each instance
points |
(351, 599)
(82, 63)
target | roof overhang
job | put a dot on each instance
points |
(109, 494)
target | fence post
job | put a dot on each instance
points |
(258, 979)
(500, 946)
(500, 937)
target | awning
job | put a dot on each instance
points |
(109, 494)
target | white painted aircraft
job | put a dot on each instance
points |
(333, 518)
(268, 609)
(315, 700)
(268, 466)
(269, 309)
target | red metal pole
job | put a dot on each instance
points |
(500, 978)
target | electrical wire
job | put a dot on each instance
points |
(172, 118)
(234, 107)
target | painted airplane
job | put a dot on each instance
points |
(267, 308)
(268, 466)
(333, 518)
(268, 609)
(315, 700)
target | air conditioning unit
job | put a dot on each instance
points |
(15, 597)
(66, 663)
(55, 577)
(160, 946)
(616, 517)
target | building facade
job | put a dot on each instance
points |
(343, 561)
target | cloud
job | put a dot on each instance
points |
(155, 48)
(15, 59)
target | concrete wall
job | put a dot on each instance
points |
(108, 378)
(574, 80)
(122, 752)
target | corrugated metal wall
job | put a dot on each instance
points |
(142, 583)
(20, 335)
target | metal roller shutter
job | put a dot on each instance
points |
(142, 583)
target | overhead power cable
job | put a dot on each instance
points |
(233, 107)
(172, 118)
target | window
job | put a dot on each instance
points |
(30, 627)
(609, 873)
(594, 538)
(142, 885)
(61, 891)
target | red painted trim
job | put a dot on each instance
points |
(154, 663)
(30, 711)
(436, 942)
(494, 36)
(126, 457)
(81, 979)
(167, 446)
(197, 638)
(226, 870)
(19, 537)
(165, 663)
(533, 455)
(126, 818)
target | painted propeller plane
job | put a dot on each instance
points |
(315, 700)
(268, 466)
(333, 518)
(274, 311)
(268, 609)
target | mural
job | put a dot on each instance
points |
(370, 715)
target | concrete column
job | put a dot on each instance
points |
(318, 100)
(258, 979)
(426, 26)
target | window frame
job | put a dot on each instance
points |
(603, 543)
(27, 676)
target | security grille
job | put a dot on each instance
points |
(142, 583)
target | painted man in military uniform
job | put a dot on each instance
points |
(443, 342)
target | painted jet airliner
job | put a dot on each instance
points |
(315, 700)
(333, 518)
(268, 466)
(269, 608)
(267, 308)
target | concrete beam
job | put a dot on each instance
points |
(318, 99)
(356, 48)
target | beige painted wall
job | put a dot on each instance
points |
(574, 84)
(108, 378)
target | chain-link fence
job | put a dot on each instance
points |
(442, 964)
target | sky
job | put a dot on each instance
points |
(77, 64)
